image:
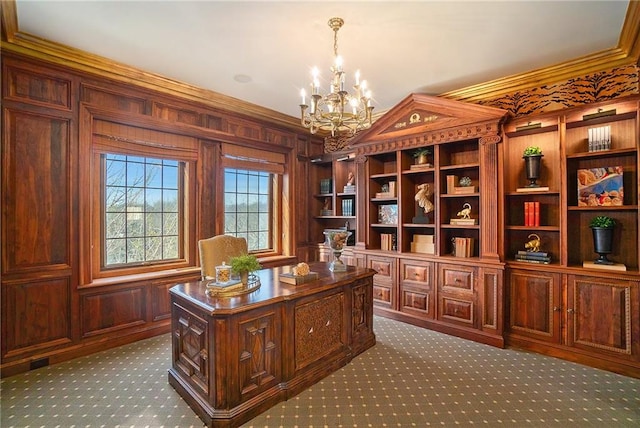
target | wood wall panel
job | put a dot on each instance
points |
(35, 314)
(35, 192)
(160, 301)
(177, 114)
(112, 100)
(108, 311)
(39, 89)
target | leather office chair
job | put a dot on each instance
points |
(218, 249)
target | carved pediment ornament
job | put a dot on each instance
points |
(490, 139)
(487, 133)
(416, 118)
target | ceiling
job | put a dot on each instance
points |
(263, 51)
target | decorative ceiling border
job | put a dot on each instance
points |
(626, 53)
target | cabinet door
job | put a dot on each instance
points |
(416, 295)
(600, 315)
(534, 304)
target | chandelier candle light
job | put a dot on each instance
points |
(338, 111)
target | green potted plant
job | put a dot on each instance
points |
(243, 265)
(602, 227)
(421, 155)
(532, 156)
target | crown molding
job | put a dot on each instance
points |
(626, 53)
(35, 47)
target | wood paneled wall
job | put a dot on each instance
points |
(52, 307)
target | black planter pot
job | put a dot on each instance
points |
(602, 244)
(532, 167)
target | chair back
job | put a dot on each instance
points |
(218, 249)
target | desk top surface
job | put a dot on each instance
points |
(271, 289)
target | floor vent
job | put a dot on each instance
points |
(36, 364)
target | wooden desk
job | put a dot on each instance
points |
(235, 357)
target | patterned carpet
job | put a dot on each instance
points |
(412, 377)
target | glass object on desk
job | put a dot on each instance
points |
(336, 241)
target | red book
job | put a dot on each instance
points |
(536, 214)
(527, 213)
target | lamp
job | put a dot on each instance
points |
(338, 111)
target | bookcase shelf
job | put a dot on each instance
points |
(589, 302)
(331, 171)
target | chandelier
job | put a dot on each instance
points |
(338, 111)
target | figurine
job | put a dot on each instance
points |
(534, 244)
(466, 211)
(351, 179)
(422, 196)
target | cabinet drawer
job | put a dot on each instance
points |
(457, 278)
(416, 272)
(452, 309)
(381, 294)
(382, 267)
(416, 301)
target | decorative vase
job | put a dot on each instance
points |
(336, 241)
(602, 244)
(421, 159)
(532, 167)
(244, 277)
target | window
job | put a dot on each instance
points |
(142, 210)
(254, 190)
(248, 207)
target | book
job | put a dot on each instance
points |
(451, 184)
(463, 247)
(535, 258)
(536, 214)
(290, 278)
(542, 262)
(463, 221)
(463, 190)
(421, 166)
(325, 186)
(349, 188)
(616, 266)
(527, 213)
(536, 253)
(532, 189)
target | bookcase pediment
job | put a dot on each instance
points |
(420, 113)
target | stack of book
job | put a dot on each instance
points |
(389, 191)
(532, 214)
(349, 188)
(325, 186)
(541, 257)
(347, 207)
(599, 138)
(420, 166)
(463, 247)
(423, 244)
(388, 241)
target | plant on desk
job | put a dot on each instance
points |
(244, 265)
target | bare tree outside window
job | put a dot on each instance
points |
(141, 210)
(247, 207)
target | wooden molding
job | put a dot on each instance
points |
(626, 53)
